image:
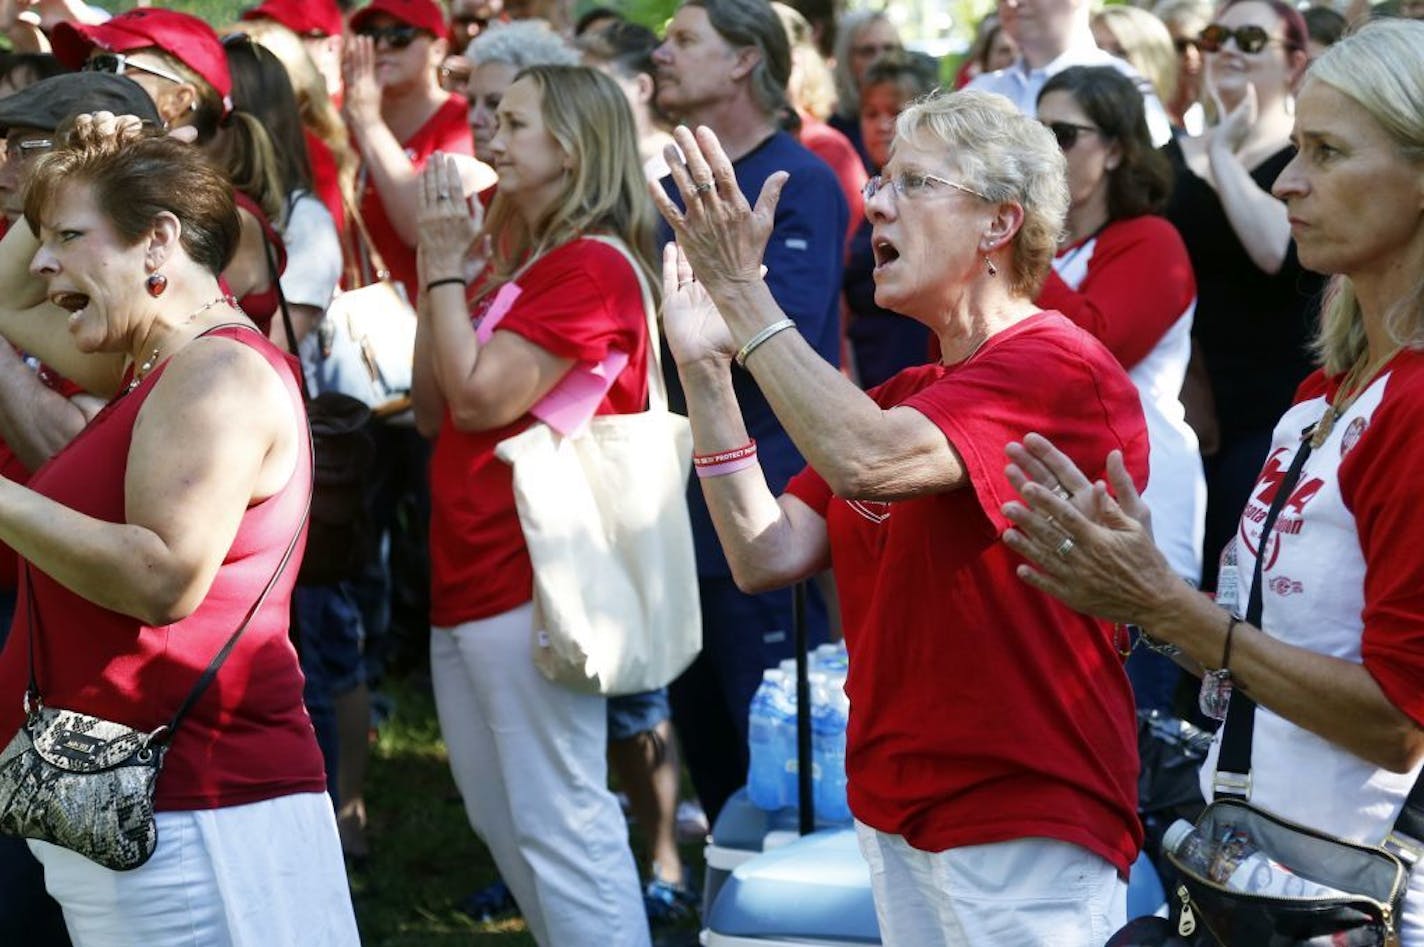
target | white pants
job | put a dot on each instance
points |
(529, 758)
(1030, 892)
(268, 874)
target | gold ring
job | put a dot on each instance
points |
(1065, 547)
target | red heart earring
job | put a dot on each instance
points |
(156, 284)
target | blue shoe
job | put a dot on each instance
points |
(668, 903)
(490, 903)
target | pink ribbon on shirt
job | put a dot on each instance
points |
(569, 406)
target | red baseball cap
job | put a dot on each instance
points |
(186, 38)
(303, 17)
(421, 14)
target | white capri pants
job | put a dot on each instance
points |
(1032, 892)
(267, 874)
(529, 759)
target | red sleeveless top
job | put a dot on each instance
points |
(248, 737)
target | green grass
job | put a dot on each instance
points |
(424, 856)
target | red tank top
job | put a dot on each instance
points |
(262, 306)
(249, 737)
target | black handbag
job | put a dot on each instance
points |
(1372, 879)
(85, 783)
(338, 540)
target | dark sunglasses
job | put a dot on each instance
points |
(119, 64)
(396, 37)
(1249, 39)
(1184, 43)
(1067, 133)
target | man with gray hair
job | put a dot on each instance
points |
(725, 64)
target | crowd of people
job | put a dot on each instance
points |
(995, 372)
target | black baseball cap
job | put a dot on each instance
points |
(46, 104)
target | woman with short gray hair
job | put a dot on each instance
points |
(496, 56)
(991, 748)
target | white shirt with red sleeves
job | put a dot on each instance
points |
(1131, 285)
(1343, 576)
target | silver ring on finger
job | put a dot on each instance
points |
(1062, 492)
(703, 187)
(1065, 547)
(443, 196)
(685, 282)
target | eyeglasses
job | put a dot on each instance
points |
(911, 184)
(1067, 133)
(119, 64)
(24, 152)
(1249, 39)
(397, 37)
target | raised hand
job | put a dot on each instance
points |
(722, 237)
(449, 225)
(361, 98)
(692, 325)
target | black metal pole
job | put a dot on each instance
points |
(807, 805)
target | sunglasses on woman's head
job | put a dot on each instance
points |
(397, 37)
(1249, 39)
(118, 64)
(1067, 133)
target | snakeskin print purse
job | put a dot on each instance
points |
(85, 783)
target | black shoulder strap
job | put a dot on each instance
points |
(1233, 765)
(211, 671)
(286, 317)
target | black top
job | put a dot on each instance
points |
(1253, 328)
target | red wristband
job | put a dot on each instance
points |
(748, 449)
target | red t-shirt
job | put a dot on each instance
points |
(12, 468)
(983, 710)
(448, 130)
(248, 737)
(1138, 283)
(579, 301)
(326, 178)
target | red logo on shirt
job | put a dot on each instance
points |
(1290, 521)
(1352, 435)
(1283, 586)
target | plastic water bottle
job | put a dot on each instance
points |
(766, 742)
(790, 759)
(828, 723)
(1238, 864)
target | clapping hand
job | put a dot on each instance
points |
(1086, 545)
(449, 224)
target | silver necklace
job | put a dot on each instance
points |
(152, 359)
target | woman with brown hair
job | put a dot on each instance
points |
(146, 540)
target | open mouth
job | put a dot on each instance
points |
(885, 252)
(73, 302)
